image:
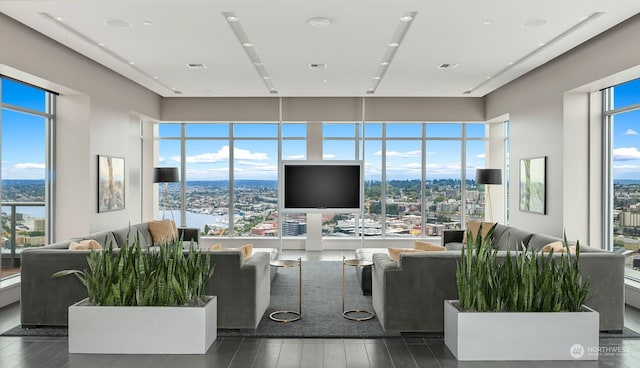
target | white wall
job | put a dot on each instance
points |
(95, 113)
(550, 113)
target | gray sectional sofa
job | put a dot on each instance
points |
(243, 287)
(408, 295)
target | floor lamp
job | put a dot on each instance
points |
(166, 175)
(489, 177)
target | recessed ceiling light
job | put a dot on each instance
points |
(147, 23)
(117, 23)
(376, 78)
(247, 44)
(511, 63)
(488, 77)
(487, 22)
(406, 18)
(232, 18)
(101, 44)
(536, 22)
(319, 22)
(394, 44)
(542, 44)
(265, 77)
(59, 19)
(132, 63)
(384, 63)
(582, 19)
(155, 77)
(325, 80)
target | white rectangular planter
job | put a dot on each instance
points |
(521, 336)
(142, 330)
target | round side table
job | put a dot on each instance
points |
(296, 315)
(347, 313)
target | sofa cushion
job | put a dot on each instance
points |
(140, 231)
(558, 247)
(163, 231)
(538, 241)
(498, 231)
(454, 246)
(513, 239)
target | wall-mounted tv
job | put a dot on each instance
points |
(322, 186)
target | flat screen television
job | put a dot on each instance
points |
(322, 186)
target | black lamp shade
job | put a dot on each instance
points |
(165, 175)
(488, 176)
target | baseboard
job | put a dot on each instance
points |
(632, 293)
(9, 291)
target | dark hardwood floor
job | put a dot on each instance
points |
(51, 352)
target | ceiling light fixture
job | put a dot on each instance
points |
(403, 25)
(536, 22)
(319, 22)
(236, 27)
(487, 22)
(117, 23)
(59, 19)
(147, 23)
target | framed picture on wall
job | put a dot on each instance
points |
(110, 183)
(533, 182)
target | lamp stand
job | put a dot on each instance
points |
(164, 203)
(488, 201)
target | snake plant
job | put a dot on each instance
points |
(131, 276)
(530, 281)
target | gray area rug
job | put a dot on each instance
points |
(321, 304)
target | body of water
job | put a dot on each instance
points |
(199, 219)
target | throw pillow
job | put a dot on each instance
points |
(394, 253)
(422, 245)
(474, 227)
(85, 245)
(246, 249)
(558, 247)
(163, 231)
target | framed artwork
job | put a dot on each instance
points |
(110, 183)
(533, 182)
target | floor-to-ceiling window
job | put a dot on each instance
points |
(419, 177)
(622, 142)
(26, 123)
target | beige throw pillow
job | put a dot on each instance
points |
(163, 231)
(246, 249)
(426, 246)
(474, 227)
(85, 245)
(394, 253)
(558, 247)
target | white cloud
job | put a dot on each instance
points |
(328, 156)
(626, 154)
(295, 157)
(29, 165)
(223, 155)
(415, 153)
(630, 132)
(481, 155)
